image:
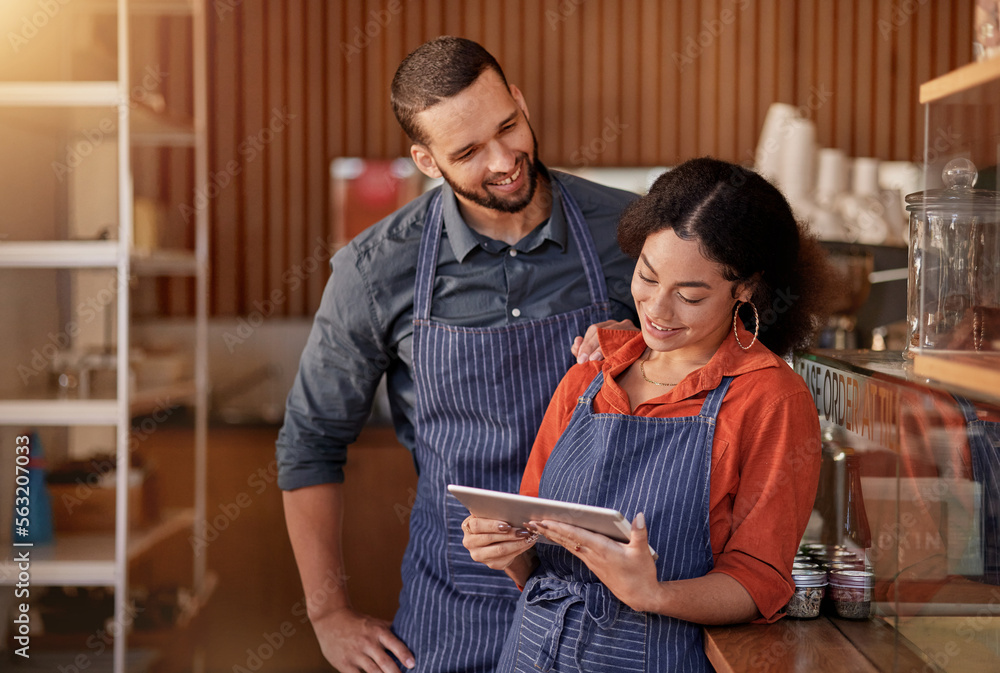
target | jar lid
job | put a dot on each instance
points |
(852, 578)
(958, 196)
(835, 555)
(804, 565)
(809, 578)
(811, 547)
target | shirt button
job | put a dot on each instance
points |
(516, 312)
(513, 252)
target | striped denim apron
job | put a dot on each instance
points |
(984, 447)
(567, 620)
(481, 395)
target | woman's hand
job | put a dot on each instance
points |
(501, 546)
(627, 570)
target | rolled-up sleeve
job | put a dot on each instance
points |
(339, 370)
(778, 474)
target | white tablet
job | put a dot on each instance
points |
(517, 510)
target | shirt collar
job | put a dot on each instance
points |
(463, 239)
(624, 347)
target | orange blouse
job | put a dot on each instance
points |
(765, 454)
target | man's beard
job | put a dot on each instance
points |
(487, 199)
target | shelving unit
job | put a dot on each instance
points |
(87, 559)
(961, 80)
(103, 559)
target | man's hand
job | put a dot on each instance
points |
(587, 348)
(349, 640)
(354, 642)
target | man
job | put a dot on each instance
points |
(467, 299)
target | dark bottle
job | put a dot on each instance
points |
(855, 520)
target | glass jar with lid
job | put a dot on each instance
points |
(851, 593)
(810, 586)
(953, 289)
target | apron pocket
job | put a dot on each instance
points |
(468, 576)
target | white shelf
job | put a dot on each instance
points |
(61, 254)
(58, 412)
(63, 94)
(93, 254)
(52, 412)
(88, 559)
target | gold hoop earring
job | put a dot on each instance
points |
(756, 325)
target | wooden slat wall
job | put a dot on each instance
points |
(662, 81)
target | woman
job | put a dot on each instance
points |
(695, 428)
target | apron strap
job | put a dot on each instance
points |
(713, 402)
(588, 251)
(968, 410)
(430, 245)
(595, 386)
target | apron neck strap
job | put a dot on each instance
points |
(430, 245)
(710, 409)
(588, 251)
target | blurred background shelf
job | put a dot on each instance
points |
(88, 559)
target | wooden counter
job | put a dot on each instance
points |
(811, 646)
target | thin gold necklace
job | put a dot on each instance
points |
(642, 370)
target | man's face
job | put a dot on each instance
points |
(481, 143)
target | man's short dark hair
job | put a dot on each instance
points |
(439, 69)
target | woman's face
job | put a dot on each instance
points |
(685, 306)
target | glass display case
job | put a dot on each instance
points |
(911, 483)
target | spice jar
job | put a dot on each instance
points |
(810, 585)
(851, 593)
